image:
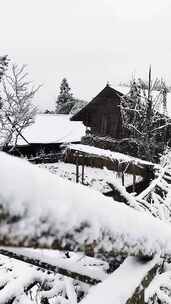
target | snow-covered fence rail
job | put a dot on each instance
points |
(17, 278)
(22, 269)
(75, 273)
(96, 157)
(126, 285)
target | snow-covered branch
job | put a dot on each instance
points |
(16, 112)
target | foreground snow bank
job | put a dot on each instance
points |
(121, 284)
(40, 208)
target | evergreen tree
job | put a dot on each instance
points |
(65, 99)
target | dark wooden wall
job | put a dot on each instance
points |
(104, 118)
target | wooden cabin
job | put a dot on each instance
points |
(102, 115)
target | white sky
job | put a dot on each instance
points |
(88, 41)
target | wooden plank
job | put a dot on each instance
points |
(49, 267)
(126, 285)
(94, 160)
(134, 179)
(123, 179)
(139, 293)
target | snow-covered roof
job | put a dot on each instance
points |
(99, 99)
(53, 128)
(109, 154)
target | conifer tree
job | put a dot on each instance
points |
(65, 99)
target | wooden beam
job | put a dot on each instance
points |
(82, 176)
(49, 267)
(123, 179)
(138, 296)
(136, 274)
(134, 178)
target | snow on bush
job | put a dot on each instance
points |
(39, 208)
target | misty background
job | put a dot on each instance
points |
(89, 42)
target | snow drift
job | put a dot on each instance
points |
(41, 209)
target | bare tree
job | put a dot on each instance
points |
(144, 115)
(17, 111)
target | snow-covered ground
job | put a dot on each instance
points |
(93, 177)
(53, 128)
(38, 205)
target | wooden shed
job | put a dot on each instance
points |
(102, 115)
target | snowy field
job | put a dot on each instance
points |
(94, 177)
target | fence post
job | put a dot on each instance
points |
(82, 174)
(77, 168)
(134, 178)
(123, 179)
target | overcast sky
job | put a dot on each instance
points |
(88, 41)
